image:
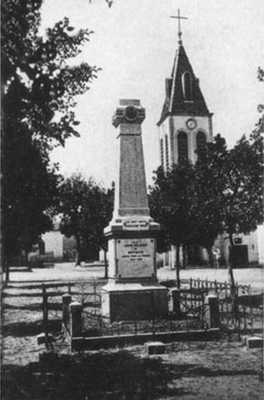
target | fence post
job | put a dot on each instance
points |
(215, 286)
(176, 301)
(45, 309)
(226, 291)
(69, 288)
(66, 300)
(75, 319)
(213, 315)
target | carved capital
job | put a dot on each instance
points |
(129, 112)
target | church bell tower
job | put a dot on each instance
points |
(185, 123)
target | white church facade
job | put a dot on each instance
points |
(184, 125)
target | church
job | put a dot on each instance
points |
(185, 124)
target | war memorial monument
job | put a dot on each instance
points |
(132, 291)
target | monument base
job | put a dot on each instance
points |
(134, 301)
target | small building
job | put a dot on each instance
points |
(57, 245)
(244, 252)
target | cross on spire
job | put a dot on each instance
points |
(179, 17)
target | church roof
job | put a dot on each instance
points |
(176, 102)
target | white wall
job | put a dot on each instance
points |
(260, 234)
(53, 243)
(250, 240)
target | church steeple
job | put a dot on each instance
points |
(185, 123)
(183, 95)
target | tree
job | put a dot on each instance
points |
(222, 192)
(40, 83)
(86, 208)
(209, 184)
(242, 201)
(31, 193)
(171, 204)
(242, 197)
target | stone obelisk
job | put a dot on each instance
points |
(132, 291)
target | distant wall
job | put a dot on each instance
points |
(260, 233)
(250, 240)
(53, 243)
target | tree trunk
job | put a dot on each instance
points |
(7, 272)
(26, 258)
(178, 281)
(78, 251)
(210, 256)
(184, 256)
(232, 280)
(27, 264)
(230, 264)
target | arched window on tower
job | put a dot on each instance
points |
(182, 147)
(200, 142)
(187, 86)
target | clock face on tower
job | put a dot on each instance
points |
(191, 123)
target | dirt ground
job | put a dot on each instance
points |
(67, 272)
(225, 369)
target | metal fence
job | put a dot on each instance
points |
(98, 325)
(221, 289)
(242, 313)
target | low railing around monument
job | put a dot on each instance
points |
(192, 313)
(94, 324)
(221, 289)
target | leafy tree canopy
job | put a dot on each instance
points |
(222, 192)
(171, 203)
(40, 85)
(209, 184)
(86, 209)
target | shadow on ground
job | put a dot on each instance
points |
(104, 376)
(118, 375)
(20, 329)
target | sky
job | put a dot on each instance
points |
(134, 42)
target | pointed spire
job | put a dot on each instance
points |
(183, 94)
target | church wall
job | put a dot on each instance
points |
(163, 131)
(179, 123)
(172, 125)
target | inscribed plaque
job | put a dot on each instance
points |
(135, 258)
